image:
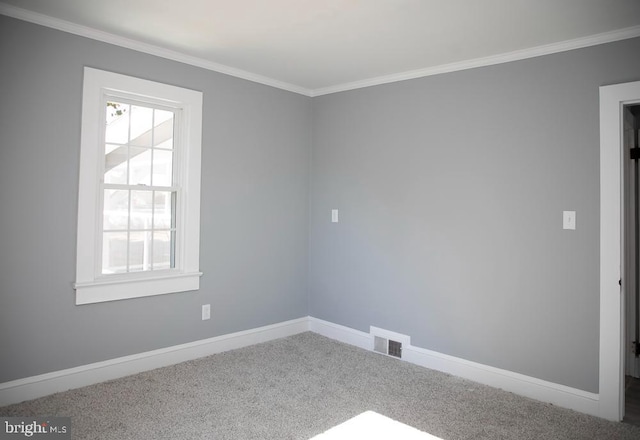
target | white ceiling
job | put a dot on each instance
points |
(322, 46)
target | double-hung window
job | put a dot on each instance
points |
(139, 194)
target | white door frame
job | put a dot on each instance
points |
(611, 380)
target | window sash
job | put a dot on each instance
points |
(102, 272)
(98, 87)
(152, 232)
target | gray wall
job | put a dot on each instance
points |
(254, 224)
(451, 190)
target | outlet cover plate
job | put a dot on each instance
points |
(206, 312)
(569, 220)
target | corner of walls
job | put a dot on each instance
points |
(527, 386)
(37, 386)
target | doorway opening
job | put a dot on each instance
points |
(613, 320)
(631, 250)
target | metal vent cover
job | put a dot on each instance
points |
(395, 349)
(388, 342)
(381, 345)
(387, 346)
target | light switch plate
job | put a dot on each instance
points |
(569, 220)
(334, 216)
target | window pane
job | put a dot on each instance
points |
(163, 131)
(162, 249)
(116, 110)
(139, 251)
(115, 164)
(167, 144)
(141, 209)
(114, 252)
(141, 123)
(162, 167)
(117, 127)
(162, 116)
(163, 210)
(116, 209)
(139, 166)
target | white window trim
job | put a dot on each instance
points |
(91, 287)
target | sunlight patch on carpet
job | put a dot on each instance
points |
(373, 426)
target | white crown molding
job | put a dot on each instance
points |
(84, 31)
(548, 49)
(106, 37)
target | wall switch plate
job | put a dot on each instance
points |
(569, 220)
(334, 216)
(206, 312)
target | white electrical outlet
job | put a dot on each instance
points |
(206, 312)
(334, 216)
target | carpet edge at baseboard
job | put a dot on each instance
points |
(38, 386)
(538, 389)
(32, 387)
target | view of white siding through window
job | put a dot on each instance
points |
(139, 197)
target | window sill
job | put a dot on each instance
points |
(126, 288)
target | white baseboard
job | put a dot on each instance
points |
(520, 384)
(49, 383)
(545, 391)
(341, 333)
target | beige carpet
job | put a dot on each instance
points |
(300, 387)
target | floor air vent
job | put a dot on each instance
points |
(388, 343)
(395, 349)
(387, 346)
